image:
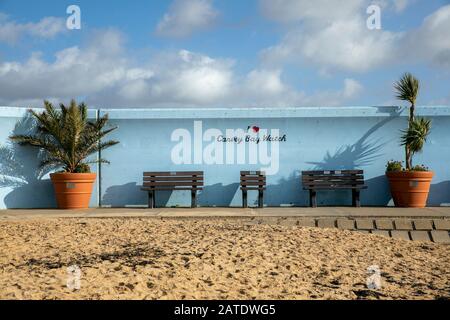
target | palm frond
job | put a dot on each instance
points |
(66, 136)
(407, 88)
(416, 135)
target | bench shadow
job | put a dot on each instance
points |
(439, 194)
(218, 194)
(130, 194)
(276, 194)
(20, 171)
(381, 197)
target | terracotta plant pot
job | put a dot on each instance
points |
(410, 188)
(73, 190)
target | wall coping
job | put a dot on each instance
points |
(219, 113)
(18, 112)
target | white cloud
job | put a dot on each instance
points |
(320, 11)
(265, 82)
(288, 11)
(46, 28)
(266, 88)
(334, 98)
(342, 45)
(183, 78)
(431, 41)
(186, 17)
(351, 88)
(400, 5)
(103, 74)
(74, 72)
(334, 36)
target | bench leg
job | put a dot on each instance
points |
(151, 199)
(193, 198)
(313, 198)
(244, 198)
(260, 199)
(355, 198)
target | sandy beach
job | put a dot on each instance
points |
(150, 258)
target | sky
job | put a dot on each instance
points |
(222, 53)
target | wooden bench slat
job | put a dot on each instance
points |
(168, 188)
(315, 172)
(331, 179)
(315, 180)
(172, 183)
(334, 187)
(173, 178)
(173, 173)
(253, 173)
(252, 183)
(328, 177)
(253, 179)
(332, 183)
(334, 178)
(333, 175)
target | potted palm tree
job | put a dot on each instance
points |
(410, 185)
(66, 139)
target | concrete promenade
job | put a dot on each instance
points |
(428, 224)
(348, 212)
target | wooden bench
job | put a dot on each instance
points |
(333, 180)
(167, 181)
(253, 180)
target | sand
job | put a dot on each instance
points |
(132, 258)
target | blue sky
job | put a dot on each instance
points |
(222, 53)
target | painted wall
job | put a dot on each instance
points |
(316, 138)
(22, 183)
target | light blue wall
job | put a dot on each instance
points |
(22, 184)
(317, 138)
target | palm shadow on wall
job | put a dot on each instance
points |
(19, 170)
(355, 156)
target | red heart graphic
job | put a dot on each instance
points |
(255, 129)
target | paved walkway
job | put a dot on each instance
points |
(435, 212)
(428, 224)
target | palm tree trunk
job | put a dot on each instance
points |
(408, 161)
(411, 112)
(408, 154)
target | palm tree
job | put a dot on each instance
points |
(416, 136)
(66, 137)
(407, 90)
(418, 129)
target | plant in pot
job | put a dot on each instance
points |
(410, 185)
(66, 139)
